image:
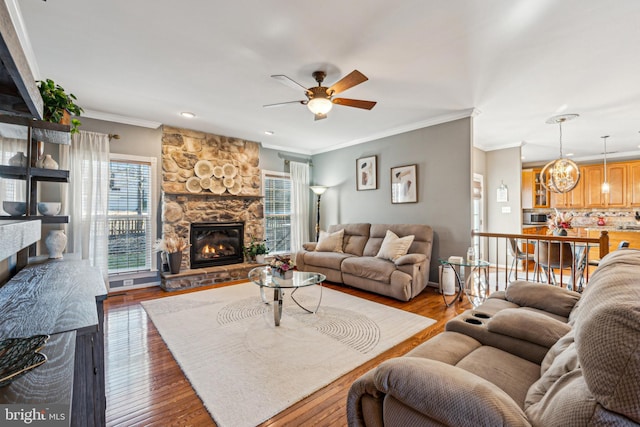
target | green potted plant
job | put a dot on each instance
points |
(256, 250)
(58, 103)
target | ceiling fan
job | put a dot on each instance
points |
(320, 98)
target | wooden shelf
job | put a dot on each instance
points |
(46, 219)
(209, 194)
(37, 174)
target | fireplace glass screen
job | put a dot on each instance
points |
(216, 244)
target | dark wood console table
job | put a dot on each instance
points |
(62, 298)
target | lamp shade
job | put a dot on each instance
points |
(318, 189)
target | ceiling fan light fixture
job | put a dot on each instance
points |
(319, 105)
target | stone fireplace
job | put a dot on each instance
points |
(225, 188)
(216, 244)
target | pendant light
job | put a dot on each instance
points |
(605, 184)
(560, 175)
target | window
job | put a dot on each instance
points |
(277, 211)
(131, 217)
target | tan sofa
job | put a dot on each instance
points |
(358, 266)
(590, 375)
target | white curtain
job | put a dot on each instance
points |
(85, 198)
(299, 204)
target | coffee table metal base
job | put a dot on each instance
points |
(278, 294)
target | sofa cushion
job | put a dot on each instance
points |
(331, 260)
(330, 242)
(355, 237)
(549, 298)
(608, 345)
(393, 247)
(369, 267)
(421, 242)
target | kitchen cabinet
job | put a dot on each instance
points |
(617, 178)
(633, 189)
(572, 199)
(533, 194)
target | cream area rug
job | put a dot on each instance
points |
(246, 370)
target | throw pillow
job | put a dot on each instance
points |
(330, 242)
(393, 247)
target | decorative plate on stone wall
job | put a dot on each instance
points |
(217, 171)
(229, 170)
(205, 183)
(235, 190)
(203, 169)
(193, 185)
(217, 187)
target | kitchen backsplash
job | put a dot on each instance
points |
(583, 218)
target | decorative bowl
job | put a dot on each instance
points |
(20, 355)
(15, 208)
(49, 208)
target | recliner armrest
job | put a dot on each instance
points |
(410, 259)
(528, 325)
(310, 246)
(447, 394)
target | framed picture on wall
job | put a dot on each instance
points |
(367, 173)
(404, 184)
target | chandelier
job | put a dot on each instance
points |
(560, 175)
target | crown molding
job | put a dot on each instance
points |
(470, 112)
(109, 117)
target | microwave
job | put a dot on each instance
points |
(534, 218)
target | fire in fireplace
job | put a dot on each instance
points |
(216, 243)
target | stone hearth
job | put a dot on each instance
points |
(181, 150)
(206, 276)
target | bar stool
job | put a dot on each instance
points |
(520, 255)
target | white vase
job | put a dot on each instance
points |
(56, 242)
(49, 163)
(260, 258)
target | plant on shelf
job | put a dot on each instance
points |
(281, 264)
(255, 248)
(56, 102)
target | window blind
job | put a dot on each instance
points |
(130, 245)
(277, 213)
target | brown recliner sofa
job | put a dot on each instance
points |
(590, 374)
(358, 266)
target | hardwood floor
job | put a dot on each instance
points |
(146, 387)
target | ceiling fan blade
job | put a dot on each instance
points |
(358, 103)
(289, 82)
(320, 117)
(348, 81)
(279, 104)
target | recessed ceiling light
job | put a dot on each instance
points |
(269, 132)
(569, 154)
(187, 114)
(522, 157)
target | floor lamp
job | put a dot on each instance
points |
(319, 191)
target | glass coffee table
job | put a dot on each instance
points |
(263, 277)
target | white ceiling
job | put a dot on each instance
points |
(515, 63)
